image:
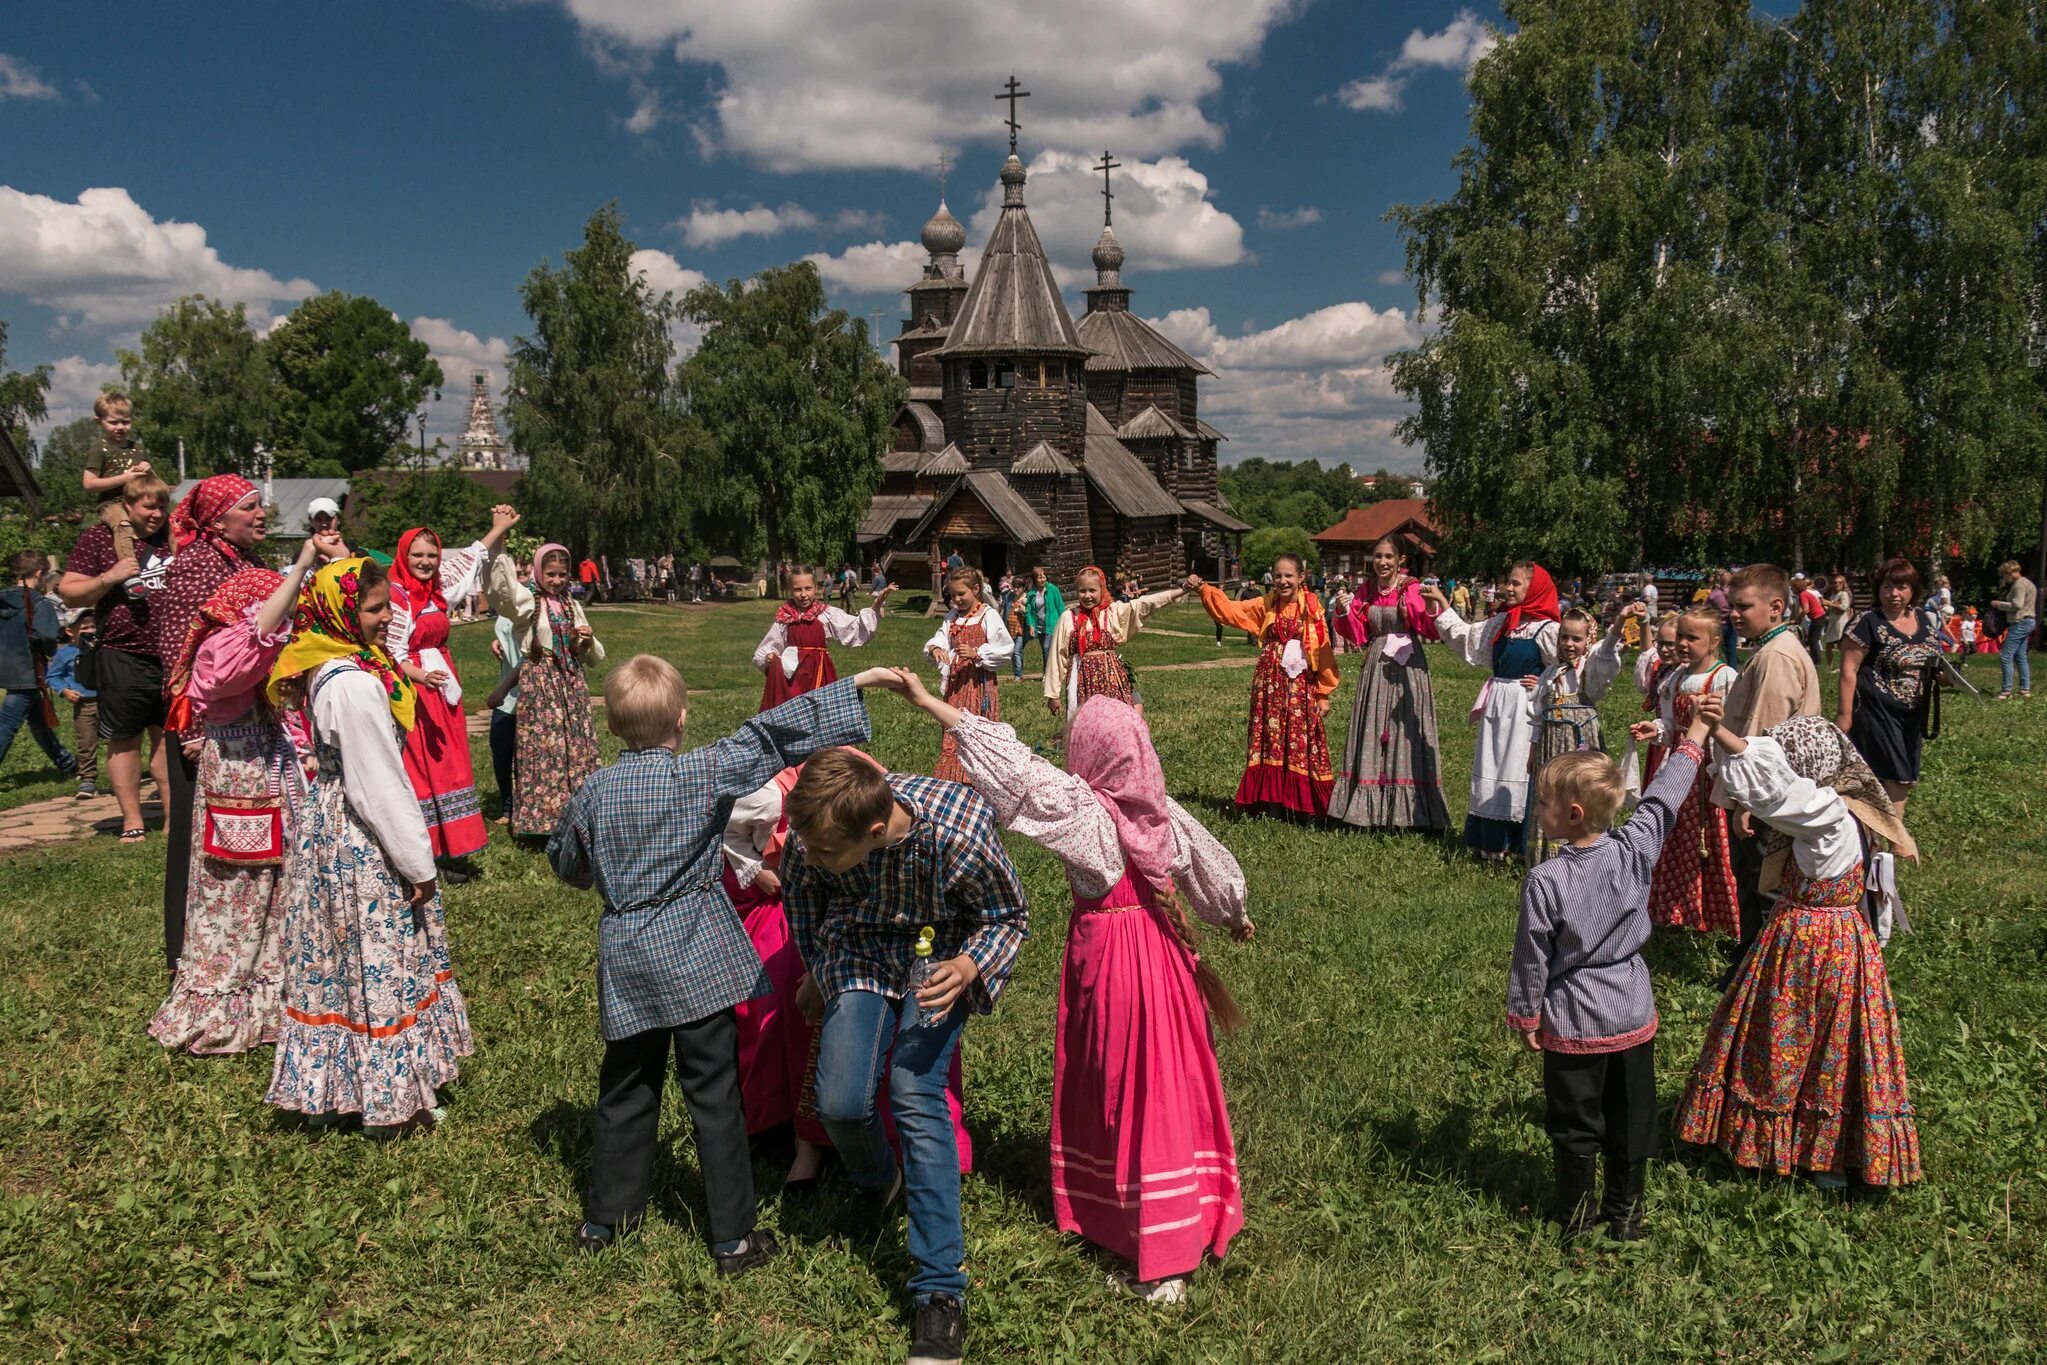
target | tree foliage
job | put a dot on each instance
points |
(385, 506)
(21, 393)
(200, 376)
(795, 407)
(61, 462)
(1716, 286)
(1268, 543)
(349, 377)
(1287, 493)
(613, 467)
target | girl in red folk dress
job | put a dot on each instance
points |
(1143, 1161)
(1802, 1068)
(1693, 885)
(794, 654)
(1287, 763)
(424, 578)
(1082, 661)
(971, 644)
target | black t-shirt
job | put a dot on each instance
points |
(123, 616)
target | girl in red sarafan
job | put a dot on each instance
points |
(1286, 766)
(424, 577)
(971, 644)
(794, 654)
(1693, 885)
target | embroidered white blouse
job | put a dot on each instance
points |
(1675, 685)
(840, 627)
(995, 653)
(1824, 839)
(1588, 681)
(1121, 619)
(1474, 640)
(1057, 810)
(461, 578)
(748, 830)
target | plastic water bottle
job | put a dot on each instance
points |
(920, 975)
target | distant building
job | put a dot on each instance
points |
(481, 446)
(1415, 487)
(1029, 440)
(1347, 546)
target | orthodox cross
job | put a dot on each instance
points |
(1014, 93)
(944, 165)
(1108, 198)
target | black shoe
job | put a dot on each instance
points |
(760, 1245)
(941, 1334)
(453, 874)
(1624, 1202)
(1577, 1179)
(867, 1211)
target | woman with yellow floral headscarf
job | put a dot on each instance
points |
(373, 1021)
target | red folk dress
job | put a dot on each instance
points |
(1693, 885)
(437, 747)
(814, 667)
(970, 689)
(1286, 761)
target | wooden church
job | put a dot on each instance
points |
(1030, 439)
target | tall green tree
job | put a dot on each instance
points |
(591, 402)
(21, 394)
(61, 461)
(795, 407)
(349, 377)
(200, 376)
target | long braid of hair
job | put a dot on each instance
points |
(1229, 1016)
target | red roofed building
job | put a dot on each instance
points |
(1347, 546)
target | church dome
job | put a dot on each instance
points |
(943, 235)
(1012, 171)
(1108, 251)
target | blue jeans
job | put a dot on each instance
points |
(27, 705)
(859, 1027)
(2013, 652)
(1017, 652)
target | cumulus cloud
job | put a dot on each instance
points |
(461, 353)
(1393, 277)
(1163, 215)
(709, 225)
(808, 84)
(74, 383)
(664, 273)
(880, 267)
(1312, 387)
(19, 80)
(1456, 47)
(1278, 220)
(105, 264)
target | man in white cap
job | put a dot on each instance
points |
(324, 514)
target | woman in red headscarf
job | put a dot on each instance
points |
(1143, 1163)
(1515, 645)
(225, 996)
(423, 579)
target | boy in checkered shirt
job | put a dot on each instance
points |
(873, 858)
(672, 956)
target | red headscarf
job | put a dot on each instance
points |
(408, 589)
(230, 602)
(1539, 603)
(200, 512)
(1088, 626)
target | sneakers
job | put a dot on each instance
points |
(757, 1246)
(940, 1337)
(86, 791)
(1172, 1290)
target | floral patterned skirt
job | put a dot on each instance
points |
(373, 1020)
(225, 996)
(556, 746)
(1802, 1068)
(1287, 758)
(1102, 673)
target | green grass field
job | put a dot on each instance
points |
(151, 1206)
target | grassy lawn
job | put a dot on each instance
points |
(1394, 1162)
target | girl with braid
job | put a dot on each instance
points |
(1082, 660)
(1137, 1098)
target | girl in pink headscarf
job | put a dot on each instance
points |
(556, 745)
(1143, 1163)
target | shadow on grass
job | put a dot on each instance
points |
(1015, 1162)
(1443, 1151)
(1702, 959)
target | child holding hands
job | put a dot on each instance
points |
(1694, 883)
(1567, 697)
(1579, 991)
(672, 957)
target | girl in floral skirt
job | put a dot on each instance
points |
(1802, 1068)
(556, 745)
(1082, 661)
(373, 1020)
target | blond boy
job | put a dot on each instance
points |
(116, 460)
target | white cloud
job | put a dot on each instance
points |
(807, 84)
(1163, 216)
(1278, 220)
(105, 264)
(664, 273)
(1457, 47)
(709, 225)
(19, 80)
(461, 354)
(872, 267)
(74, 383)
(1393, 277)
(1313, 387)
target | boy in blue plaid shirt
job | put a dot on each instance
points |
(874, 857)
(672, 956)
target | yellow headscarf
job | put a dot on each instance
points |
(327, 628)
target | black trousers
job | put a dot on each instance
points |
(629, 1123)
(1746, 857)
(1602, 1102)
(177, 859)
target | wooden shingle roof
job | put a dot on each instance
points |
(1042, 459)
(888, 510)
(945, 463)
(1153, 425)
(930, 428)
(1022, 525)
(1013, 306)
(1121, 340)
(1121, 477)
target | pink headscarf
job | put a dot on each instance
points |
(540, 557)
(1109, 748)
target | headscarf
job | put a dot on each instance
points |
(327, 628)
(1818, 751)
(230, 603)
(1089, 627)
(412, 592)
(200, 512)
(1539, 603)
(540, 557)
(1109, 747)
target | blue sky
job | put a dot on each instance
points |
(431, 153)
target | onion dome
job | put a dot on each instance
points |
(1108, 252)
(943, 234)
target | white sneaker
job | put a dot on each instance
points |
(1173, 1290)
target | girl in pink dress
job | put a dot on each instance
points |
(1143, 1163)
